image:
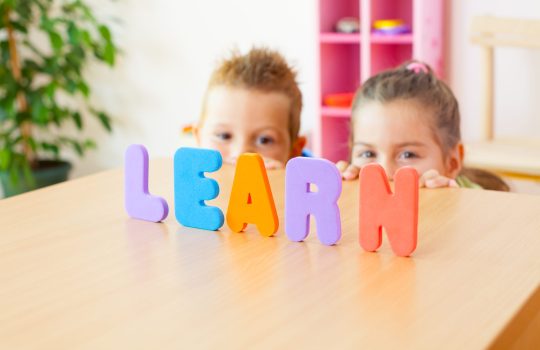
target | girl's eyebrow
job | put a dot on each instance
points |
(399, 145)
(408, 144)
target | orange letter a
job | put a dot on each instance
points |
(397, 213)
(251, 199)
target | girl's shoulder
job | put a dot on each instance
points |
(480, 178)
(464, 182)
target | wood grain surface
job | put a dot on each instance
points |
(77, 273)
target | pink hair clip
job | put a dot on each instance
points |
(418, 67)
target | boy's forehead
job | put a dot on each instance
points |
(225, 92)
(231, 104)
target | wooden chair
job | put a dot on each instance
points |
(511, 157)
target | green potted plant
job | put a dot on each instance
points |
(45, 46)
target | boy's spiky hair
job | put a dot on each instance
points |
(263, 70)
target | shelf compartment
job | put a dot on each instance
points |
(340, 38)
(335, 112)
(340, 68)
(392, 9)
(335, 138)
(387, 56)
(332, 11)
(403, 39)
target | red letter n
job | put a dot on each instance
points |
(397, 213)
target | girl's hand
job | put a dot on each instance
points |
(432, 179)
(348, 171)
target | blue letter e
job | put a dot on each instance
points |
(191, 188)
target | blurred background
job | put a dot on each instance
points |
(167, 49)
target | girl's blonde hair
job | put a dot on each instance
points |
(415, 81)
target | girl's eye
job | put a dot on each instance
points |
(407, 155)
(265, 140)
(223, 136)
(367, 154)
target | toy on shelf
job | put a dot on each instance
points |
(339, 99)
(348, 25)
(391, 27)
(187, 129)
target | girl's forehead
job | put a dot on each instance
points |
(395, 122)
(404, 108)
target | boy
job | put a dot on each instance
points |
(252, 104)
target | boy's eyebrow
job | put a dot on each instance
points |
(263, 128)
(360, 143)
(221, 125)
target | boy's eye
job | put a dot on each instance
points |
(408, 155)
(366, 154)
(223, 136)
(265, 140)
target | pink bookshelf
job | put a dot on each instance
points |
(337, 38)
(348, 59)
(391, 39)
(336, 112)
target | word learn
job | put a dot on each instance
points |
(251, 200)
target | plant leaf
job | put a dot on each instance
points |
(78, 148)
(73, 34)
(56, 42)
(105, 121)
(5, 158)
(19, 27)
(89, 144)
(84, 89)
(78, 120)
(3, 114)
(86, 38)
(50, 147)
(39, 112)
(109, 54)
(105, 33)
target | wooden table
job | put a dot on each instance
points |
(77, 273)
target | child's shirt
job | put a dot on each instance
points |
(464, 182)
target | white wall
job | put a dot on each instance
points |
(517, 71)
(170, 47)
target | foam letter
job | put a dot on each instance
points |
(301, 202)
(251, 199)
(139, 203)
(397, 213)
(192, 188)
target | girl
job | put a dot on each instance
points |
(408, 117)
